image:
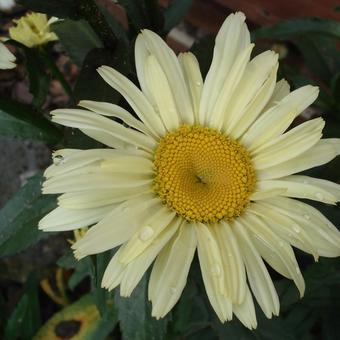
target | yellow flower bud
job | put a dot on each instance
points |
(33, 30)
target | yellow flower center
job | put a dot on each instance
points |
(202, 174)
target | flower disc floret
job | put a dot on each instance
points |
(202, 174)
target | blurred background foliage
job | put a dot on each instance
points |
(45, 292)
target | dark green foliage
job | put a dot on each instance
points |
(20, 216)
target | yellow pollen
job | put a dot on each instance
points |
(202, 174)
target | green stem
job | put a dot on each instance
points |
(49, 62)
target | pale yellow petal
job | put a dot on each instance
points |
(232, 38)
(322, 152)
(276, 120)
(134, 97)
(260, 282)
(234, 270)
(169, 273)
(255, 74)
(245, 311)
(62, 219)
(275, 251)
(117, 227)
(193, 78)
(212, 272)
(147, 233)
(160, 91)
(281, 90)
(289, 145)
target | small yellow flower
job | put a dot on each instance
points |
(33, 30)
(208, 165)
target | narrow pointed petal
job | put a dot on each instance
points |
(173, 72)
(112, 110)
(258, 276)
(324, 235)
(212, 272)
(161, 93)
(193, 78)
(322, 152)
(281, 91)
(89, 121)
(275, 251)
(134, 97)
(116, 227)
(298, 190)
(245, 311)
(232, 38)
(276, 120)
(136, 269)
(235, 275)
(170, 271)
(285, 227)
(255, 74)
(61, 219)
(289, 145)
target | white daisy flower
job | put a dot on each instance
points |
(206, 165)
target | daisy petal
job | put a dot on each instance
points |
(136, 269)
(258, 276)
(255, 107)
(281, 91)
(245, 311)
(298, 190)
(168, 278)
(289, 145)
(276, 252)
(285, 228)
(148, 232)
(276, 120)
(193, 78)
(134, 97)
(324, 235)
(235, 275)
(116, 227)
(61, 219)
(89, 121)
(112, 110)
(324, 185)
(255, 74)
(160, 90)
(212, 272)
(232, 38)
(171, 68)
(322, 152)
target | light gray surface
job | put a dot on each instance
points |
(19, 160)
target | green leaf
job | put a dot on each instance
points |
(77, 37)
(175, 13)
(20, 216)
(81, 268)
(134, 314)
(38, 79)
(21, 121)
(287, 29)
(58, 8)
(25, 320)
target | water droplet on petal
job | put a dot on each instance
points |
(216, 269)
(319, 196)
(306, 216)
(173, 290)
(58, 159)
(198, 83)
(146, 233)
(296, 229)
